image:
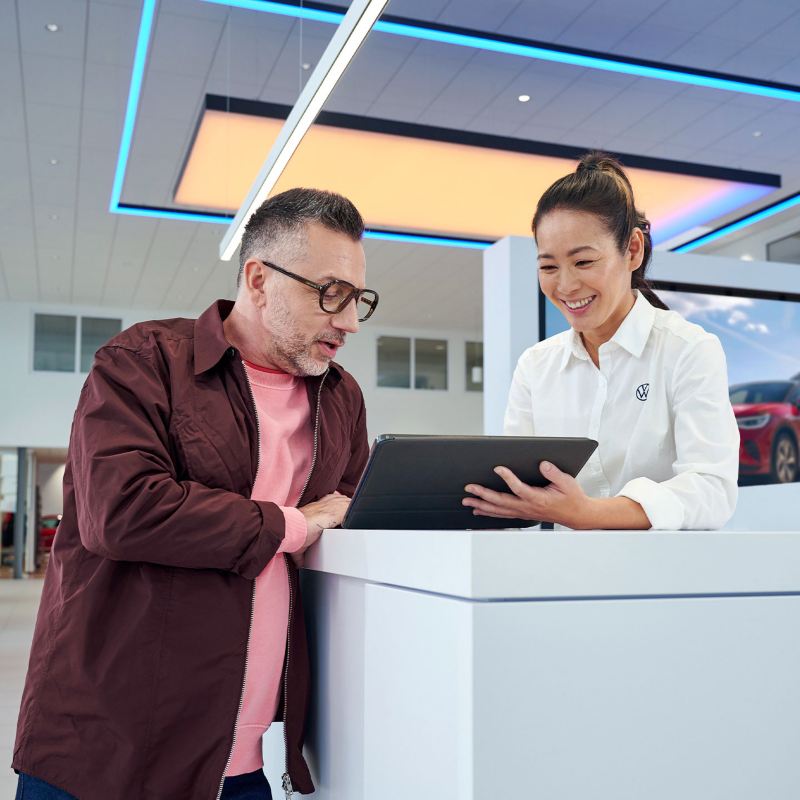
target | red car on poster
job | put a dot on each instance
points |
(768, 416)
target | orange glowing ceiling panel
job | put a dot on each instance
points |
(403, 183)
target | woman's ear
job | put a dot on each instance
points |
(635, 250)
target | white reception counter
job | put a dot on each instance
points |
(563, 666)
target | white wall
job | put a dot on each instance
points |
(50, 479)
(455, 411)
(36, 408)
(8, 481)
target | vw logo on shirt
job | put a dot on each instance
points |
(642, 391)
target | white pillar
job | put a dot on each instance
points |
(510, 320)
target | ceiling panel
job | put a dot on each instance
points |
(69, 15)
(92, 257)
(50, 124)
(106, 88)
(129, 252)
(9, 41)
(183, 45)
(55, 275)
(170, 247)
(652, 42)
(204, 47)
(112, 33)
(745, 21)
(480, 16)
(247, 52)
(49, 79)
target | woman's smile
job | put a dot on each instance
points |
(578, 307)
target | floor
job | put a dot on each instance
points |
(19, 601)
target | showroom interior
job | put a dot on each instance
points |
(133, 130)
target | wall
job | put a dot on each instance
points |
(36, 408)
(8, 480)
(455, 411)
(50, 478)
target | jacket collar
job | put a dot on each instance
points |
(210, 344)
(632, 334)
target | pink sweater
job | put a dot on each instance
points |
(286, 442)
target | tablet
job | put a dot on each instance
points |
(417, 482)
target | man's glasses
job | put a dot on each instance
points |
(335, 295)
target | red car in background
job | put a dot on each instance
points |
(47, 531)
(768, 416)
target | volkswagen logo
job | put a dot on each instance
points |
(642, 391)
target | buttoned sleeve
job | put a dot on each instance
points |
(519, 411)
(702, 493)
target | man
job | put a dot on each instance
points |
(170, 632)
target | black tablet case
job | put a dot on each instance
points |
(417, 482)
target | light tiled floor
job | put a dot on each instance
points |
(19, 601)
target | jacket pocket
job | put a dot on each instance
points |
(200, 459)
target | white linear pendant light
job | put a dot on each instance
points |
(349, 36)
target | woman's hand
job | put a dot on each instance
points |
(562, 501)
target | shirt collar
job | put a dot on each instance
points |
(210, 344)
(631, 335)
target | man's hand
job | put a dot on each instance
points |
(327, 512)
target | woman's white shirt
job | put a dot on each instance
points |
(658, 406)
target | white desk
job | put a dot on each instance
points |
(560, 666)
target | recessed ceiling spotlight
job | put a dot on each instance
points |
(756, 134)
(51, 27)
(746, 257)
(523, 98)
(306, 66)
(53, 162)
(54, 217)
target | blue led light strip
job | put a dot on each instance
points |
(421, 31)
(737, 225)
(588, 61)
(418, 238)
(497, 44)
(137, 76)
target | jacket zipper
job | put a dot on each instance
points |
(252, 598)
(286, 781)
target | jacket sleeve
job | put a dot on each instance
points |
(702, 492)
(130, 504)
(359, 451)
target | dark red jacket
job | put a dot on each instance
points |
(138, 656)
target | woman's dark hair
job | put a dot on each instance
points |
(600, 186)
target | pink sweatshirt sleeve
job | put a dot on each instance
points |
(296, 530)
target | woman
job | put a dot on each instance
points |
(650, 387)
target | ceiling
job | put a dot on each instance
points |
(64, 96)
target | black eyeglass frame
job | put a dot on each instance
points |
(355, 293)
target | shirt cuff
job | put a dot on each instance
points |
(662, 506)
(296, 530)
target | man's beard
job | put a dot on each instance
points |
(290, 348)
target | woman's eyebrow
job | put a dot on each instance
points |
(571, 252)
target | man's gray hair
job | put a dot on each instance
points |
(289, 211)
